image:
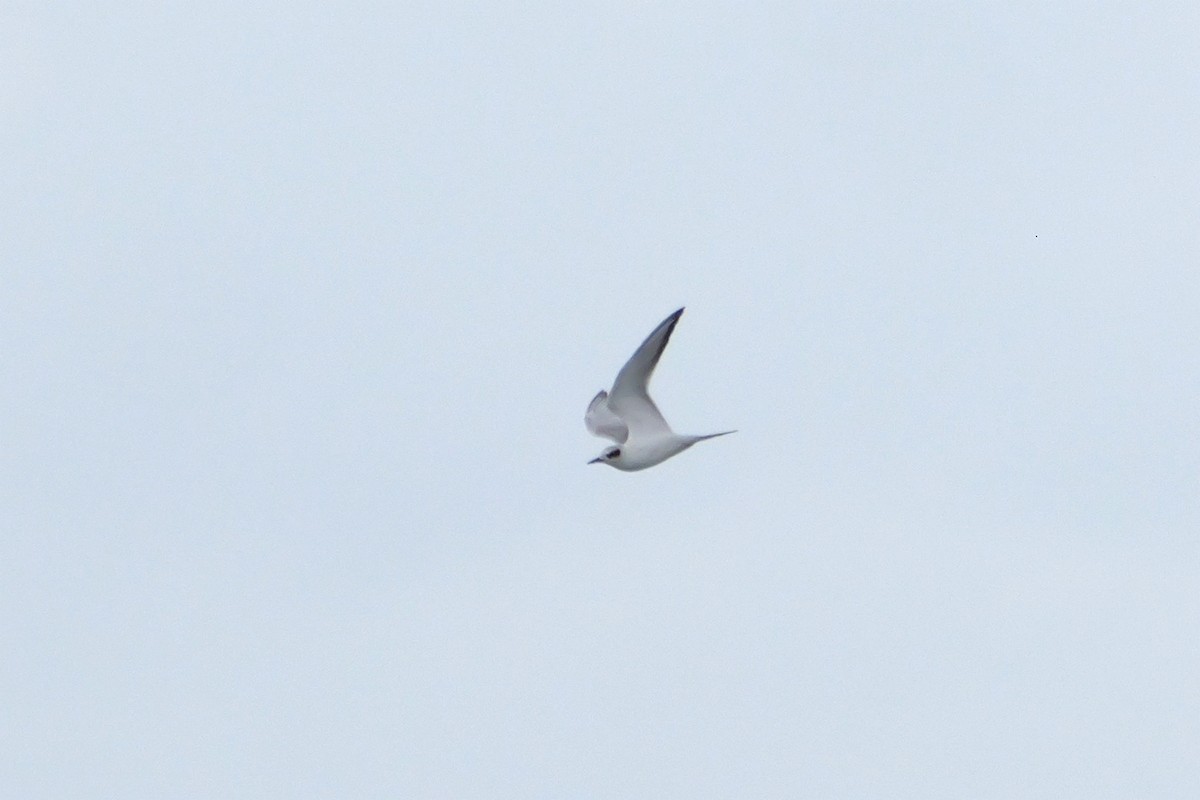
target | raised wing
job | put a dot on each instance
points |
(630, 398)
(601, 421)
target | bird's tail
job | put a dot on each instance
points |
(712, 435)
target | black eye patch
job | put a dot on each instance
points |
(615, 454)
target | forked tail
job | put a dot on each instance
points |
(712, 435)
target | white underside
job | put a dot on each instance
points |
(648, 452)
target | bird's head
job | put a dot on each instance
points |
(611, 456)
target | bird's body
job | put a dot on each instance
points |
(629, 417)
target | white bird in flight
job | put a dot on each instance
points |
(629, 417)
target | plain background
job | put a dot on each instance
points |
(303, 303)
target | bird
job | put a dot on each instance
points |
(629, 417)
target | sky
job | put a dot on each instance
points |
(302, 306)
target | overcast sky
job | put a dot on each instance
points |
(302, 305)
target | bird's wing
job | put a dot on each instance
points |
(630, 398)
(601, 421)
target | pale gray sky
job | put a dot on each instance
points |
(303, 303)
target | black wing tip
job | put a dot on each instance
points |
(669, 323)
(671, 320)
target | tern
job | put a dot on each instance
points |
(629, 417)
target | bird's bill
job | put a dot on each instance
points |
(596, 460)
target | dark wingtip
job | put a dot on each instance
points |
(670, 323)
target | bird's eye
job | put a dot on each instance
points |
(615, 454)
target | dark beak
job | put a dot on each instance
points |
(596, 460)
